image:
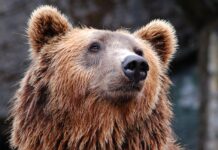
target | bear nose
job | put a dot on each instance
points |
(135, 68)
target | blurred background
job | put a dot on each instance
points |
(194, 70)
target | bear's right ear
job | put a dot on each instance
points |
(46, 22)
(162, 37)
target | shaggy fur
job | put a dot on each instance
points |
(64, 103)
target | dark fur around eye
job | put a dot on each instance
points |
(138, 51)
(94, 47)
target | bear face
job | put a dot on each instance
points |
(92, 81)
(94, 60)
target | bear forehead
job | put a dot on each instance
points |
(118, 38)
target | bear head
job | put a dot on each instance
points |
(88, 79)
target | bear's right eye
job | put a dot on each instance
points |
(95, 47)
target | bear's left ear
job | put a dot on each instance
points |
(161, 35)
(46, 22)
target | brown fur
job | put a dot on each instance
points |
(62, 102)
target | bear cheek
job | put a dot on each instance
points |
(152, 83)
(71, 79)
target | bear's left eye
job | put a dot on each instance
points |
(94, 47)
(138, 51)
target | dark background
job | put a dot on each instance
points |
(194, 20)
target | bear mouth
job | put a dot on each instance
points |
(132, 87)
(124, 92)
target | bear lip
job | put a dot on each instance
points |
(130, 87)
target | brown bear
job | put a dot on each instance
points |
(94, 89)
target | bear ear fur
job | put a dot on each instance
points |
(162, 37)
(45, 23)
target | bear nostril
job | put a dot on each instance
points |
(131, 66)
(144, 67)
(135, 68)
